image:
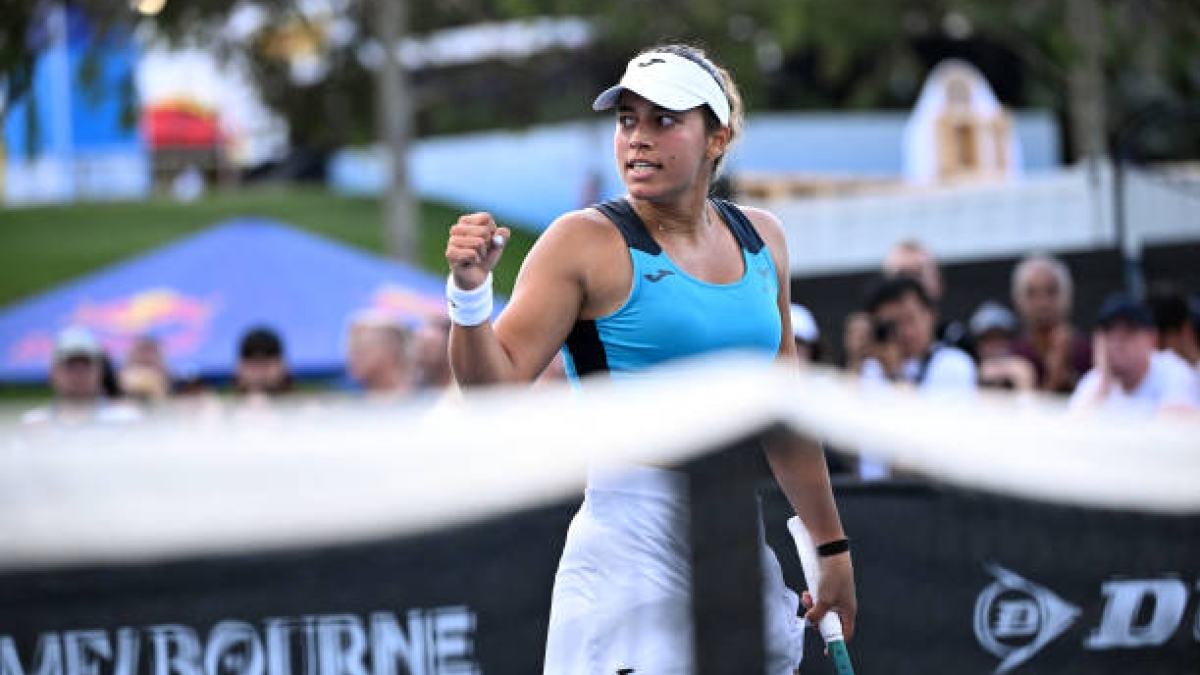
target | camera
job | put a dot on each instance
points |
(883, 331)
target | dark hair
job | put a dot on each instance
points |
(893, 289)
(1170, 307)
(259, 342)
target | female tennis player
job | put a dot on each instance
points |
(663, 273)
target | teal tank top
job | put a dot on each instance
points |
(670, 315)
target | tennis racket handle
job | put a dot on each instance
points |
(840, 657)
(830, 625)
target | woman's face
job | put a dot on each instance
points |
(661, 153)
(1040, 298)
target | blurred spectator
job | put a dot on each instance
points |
(806, 334)
(1176, 316)
(433, 354)
(261, 368)
(144, 375)
(144, 385)
(994, 332)
(903, 349)
(856, 341)
(77, 380)
(1129, 373)
(1041, 290)
(903, 344)
(911, 258)
(145, 351)
(379, 357)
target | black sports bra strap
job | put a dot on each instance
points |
(630, 224)
(741, 226)
(637, 236)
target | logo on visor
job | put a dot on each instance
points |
(650, 62)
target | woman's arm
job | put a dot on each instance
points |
(799, 463)
(546, 300)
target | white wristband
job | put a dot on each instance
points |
(469, 308)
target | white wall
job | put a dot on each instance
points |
(1058, 211)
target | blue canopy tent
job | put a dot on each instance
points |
(199, 295)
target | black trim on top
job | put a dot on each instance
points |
(630, 224)
(743, 230)
(586, 348)
(631, 227)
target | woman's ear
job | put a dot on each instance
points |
(718, 143)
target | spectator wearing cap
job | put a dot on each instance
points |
(806, 334)
(261, 368)
(77, 380)
(1176, 315)
(1130, 374)
(1042, 290)
(994, 331)
(379, 356)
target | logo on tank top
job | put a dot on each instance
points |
(657, 276)
(764, 275)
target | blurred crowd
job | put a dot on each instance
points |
(1141, 358)
(385, 361)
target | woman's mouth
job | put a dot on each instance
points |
(641, 167)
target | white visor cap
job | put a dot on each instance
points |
(671, 81)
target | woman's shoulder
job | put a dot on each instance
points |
(764, 221)
(766, 224)
(586, 222)
(578, 232)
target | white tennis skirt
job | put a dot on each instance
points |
(621, 598)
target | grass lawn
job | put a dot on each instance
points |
(41, 247)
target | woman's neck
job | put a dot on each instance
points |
(688, 216)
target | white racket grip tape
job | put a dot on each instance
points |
(830, 624)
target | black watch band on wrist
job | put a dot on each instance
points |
(833, 548)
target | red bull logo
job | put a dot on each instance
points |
(179, 321)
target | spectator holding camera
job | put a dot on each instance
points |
(911, 258)
(904, 347)
(904, 350)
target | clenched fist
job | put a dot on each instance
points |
(474, 246)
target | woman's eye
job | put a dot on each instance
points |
(666, 120)
(625, 121)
